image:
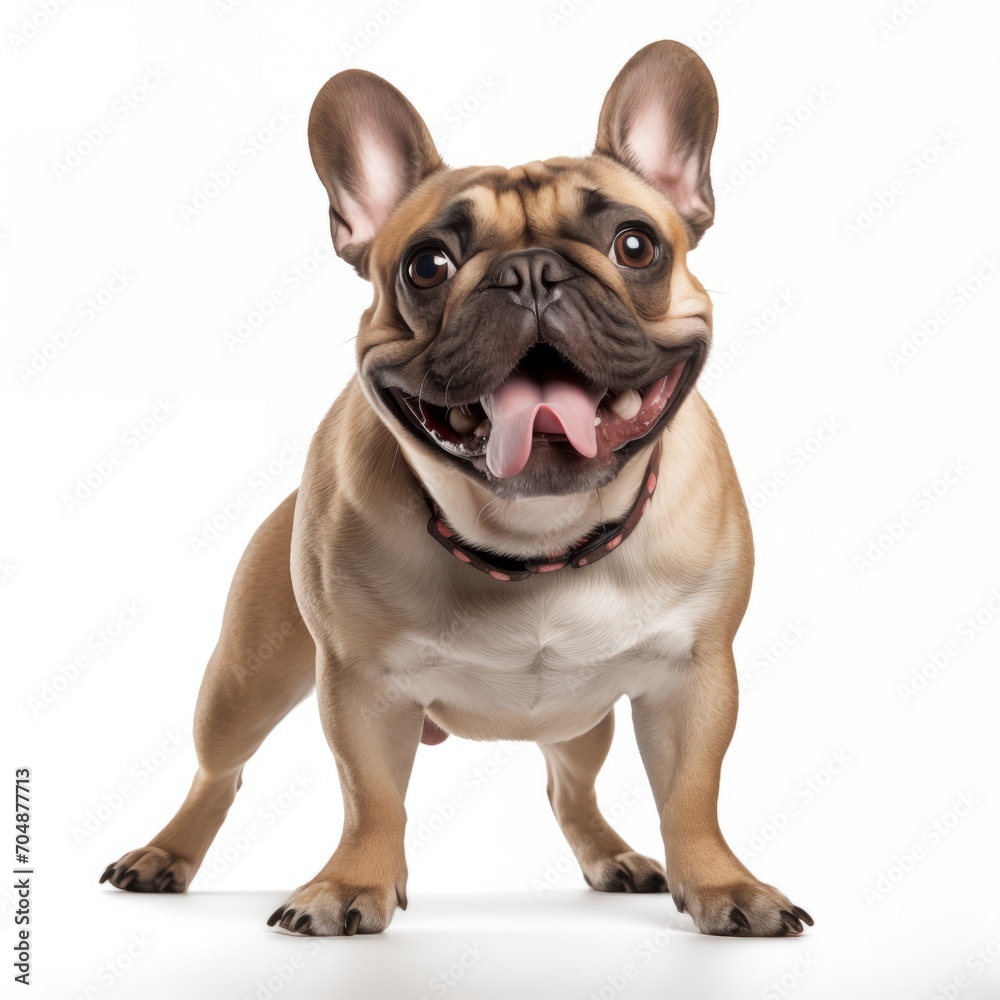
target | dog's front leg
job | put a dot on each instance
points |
(683, 736)
(374, 735)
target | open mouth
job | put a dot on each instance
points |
(546, 402)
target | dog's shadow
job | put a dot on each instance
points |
(557, 910)
(551, 943)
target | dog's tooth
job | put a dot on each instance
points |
(483, 429)
(461, 421)
(627, 404)
(597, 421)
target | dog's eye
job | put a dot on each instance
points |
(429, 266)
(633, 248)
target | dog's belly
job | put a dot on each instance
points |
(544, 670)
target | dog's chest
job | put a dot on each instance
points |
(542, 648)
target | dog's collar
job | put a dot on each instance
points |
(585, 551)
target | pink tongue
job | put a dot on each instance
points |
(561, 403)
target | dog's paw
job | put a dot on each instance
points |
(743, 909)
(327, 907)
(149, 869)
(627, 872)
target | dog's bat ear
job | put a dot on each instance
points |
(659, 118)
(370, 149)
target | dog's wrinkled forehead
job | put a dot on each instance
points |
(552, 203)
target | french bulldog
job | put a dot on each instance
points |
(518, 511)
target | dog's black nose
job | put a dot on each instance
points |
(533, 276)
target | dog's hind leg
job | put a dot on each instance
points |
(608, 863)
(263, 665)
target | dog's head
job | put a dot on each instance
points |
(535, 326)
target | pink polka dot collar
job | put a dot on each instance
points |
(582, 553)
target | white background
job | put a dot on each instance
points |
(832, 734)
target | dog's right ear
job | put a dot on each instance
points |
(370, 149)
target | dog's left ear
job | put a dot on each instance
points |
(659, 118)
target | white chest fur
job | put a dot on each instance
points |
(546, 657)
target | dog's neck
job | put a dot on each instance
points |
(528, 527)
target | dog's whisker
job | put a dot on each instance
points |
(483, 508)
(465, 367)
(421, 387)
